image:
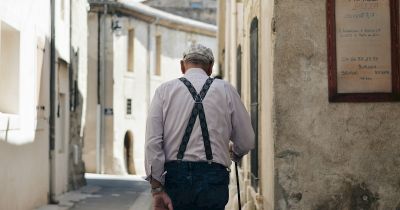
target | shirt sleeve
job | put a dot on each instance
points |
(242, 131)
(154, 152)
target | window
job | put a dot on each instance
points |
(158, 56)
(254, 99)
(131, 39)
(128, 106)
(9, 69)
(239, 69)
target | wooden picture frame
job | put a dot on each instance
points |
(373, 96)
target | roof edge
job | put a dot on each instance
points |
(152, 15)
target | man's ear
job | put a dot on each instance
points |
(183, 70)
(210, 69)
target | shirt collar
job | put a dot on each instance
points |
(194, 71)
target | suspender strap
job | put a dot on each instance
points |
(198, 109)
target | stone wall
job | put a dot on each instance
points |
(78, 92)
(329, 156)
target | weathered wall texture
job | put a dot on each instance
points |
(78, 90)
(329, 156)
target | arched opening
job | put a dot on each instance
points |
(128, 153)
(254, 99)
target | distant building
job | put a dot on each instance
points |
(133, 48)
(201, 10)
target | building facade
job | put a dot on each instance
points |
(140, 47)
(201, 10)
(310, 153)
(37, 159)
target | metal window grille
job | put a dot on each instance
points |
(129, 106)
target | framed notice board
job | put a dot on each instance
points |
(363, 50)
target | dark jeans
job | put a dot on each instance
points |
(197, 185)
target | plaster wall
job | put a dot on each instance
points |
(61, 151)
(107, 130)
(90, 134)
(24, 163)
(62, 29)
(266, 153)
(60, 154)
(130, 85)
(93, 129)
(329, 156)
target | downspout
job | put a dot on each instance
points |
(98, 113)
(103, 68)
(51, 198)
(148, 61)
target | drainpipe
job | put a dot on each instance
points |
(98, 111)
(51, 198)
(103, 68)
(148, 61)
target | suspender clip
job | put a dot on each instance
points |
(209, 162)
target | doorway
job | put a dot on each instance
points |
(128, 153)
(254, 99)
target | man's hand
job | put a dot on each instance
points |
(162, 201)
(235, 158)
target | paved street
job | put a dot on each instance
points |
(117, 193)
(107, 192)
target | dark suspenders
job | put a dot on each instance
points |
(198, 109)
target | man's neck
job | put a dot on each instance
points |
(195, 70)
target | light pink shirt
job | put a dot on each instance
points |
(169, 113)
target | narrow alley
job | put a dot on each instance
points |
(92, 100)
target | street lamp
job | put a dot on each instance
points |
(115, 26)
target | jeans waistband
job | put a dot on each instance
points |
(193, 165)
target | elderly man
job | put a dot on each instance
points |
(187, 159)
